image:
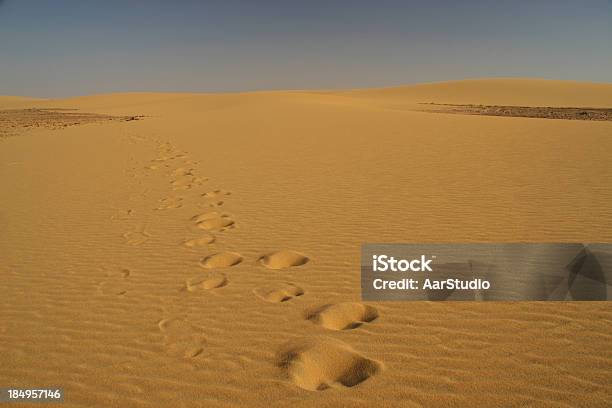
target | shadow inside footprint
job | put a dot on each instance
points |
(207, 281)
(221, 260)
(319, 364)
(215, 193)
(342, 316)
(283, 259)
(277, 293)
(213, 221)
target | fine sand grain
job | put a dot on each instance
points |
(207, 255)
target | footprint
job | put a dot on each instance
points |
(279, 292)
(165, 146)
(187, 182)
(213, 221)
(162, 158)
(319, 364)
(169, 154)
(205, 216)
(221, 260)
(207, 281)
(216, 193)
(342, 316)
(170, 203)
(182, 338)
(199, 242)
(113, 288)
(116, 284)
(283, 259)
(124, 273)
(136, 238)
(182, 171)
(217, 224)
(183, 183)
(192, 162)
(122, 215)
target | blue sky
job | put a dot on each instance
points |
(70, 47)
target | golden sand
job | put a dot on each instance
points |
(208, 254)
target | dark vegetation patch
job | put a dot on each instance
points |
(544, 112)
(14, 121)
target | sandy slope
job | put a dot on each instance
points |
(17, 102)
(140, 260)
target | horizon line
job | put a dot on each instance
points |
(306, 90)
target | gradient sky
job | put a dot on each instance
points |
(75, 47)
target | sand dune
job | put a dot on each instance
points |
(521, 92)
(208, 254)
(16, 102)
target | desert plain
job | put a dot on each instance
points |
(202, 250)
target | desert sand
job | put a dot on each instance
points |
(207, 253)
